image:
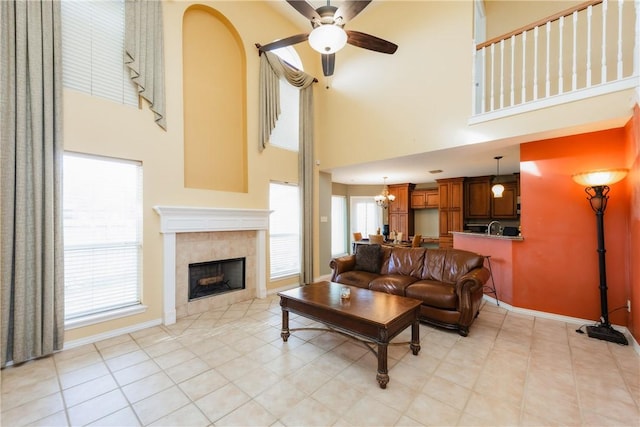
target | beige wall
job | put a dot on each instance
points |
(93, 125)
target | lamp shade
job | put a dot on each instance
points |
(327, 38)
(600, 177)
(497, 190)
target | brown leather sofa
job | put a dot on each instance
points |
(448, 281)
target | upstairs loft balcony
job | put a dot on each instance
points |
(578, 55)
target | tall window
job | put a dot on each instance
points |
(286, 133)
(93, 50)
(284, 230)
(338, 225)
(366, 216)
(102, 207)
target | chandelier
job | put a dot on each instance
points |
(384, 197)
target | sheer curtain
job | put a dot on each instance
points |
(31, 269)
(271, 69)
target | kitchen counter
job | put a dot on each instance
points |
(487, 236)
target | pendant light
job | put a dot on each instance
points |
(497, 188)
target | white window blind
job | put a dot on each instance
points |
(338, 225)
(284, 230)
(366, 216)
(102, 207)
(93, 50)
(286, 132)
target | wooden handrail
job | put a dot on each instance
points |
(531, 26)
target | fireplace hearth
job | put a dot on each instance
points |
(216, 277)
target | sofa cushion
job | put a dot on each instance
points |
(391, 283)
(360, 279)
(405, 261)
(433, 267)
(458, 263)
(368, 258)
(434, 293)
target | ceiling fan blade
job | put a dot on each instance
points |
(328, 63)
(367, 41)
(287, 41)
(305, 9)
(349, 9)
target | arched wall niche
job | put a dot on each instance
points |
(214, 93)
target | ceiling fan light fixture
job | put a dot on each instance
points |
(327, 38)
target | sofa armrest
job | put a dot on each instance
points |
(342, 264)
(472, 281)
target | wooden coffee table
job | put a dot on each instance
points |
(376, 317)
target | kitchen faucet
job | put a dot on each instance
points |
(491, 225)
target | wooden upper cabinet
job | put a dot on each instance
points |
(401, 202)
(477, 194)
(451, 193)
(506, 206)
(425, 199)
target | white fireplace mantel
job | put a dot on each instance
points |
(184, 219)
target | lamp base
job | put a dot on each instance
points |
(606, 333)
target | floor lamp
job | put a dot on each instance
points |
(597, 189)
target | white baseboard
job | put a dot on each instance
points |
(110, 334)
(561, 318)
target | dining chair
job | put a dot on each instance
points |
(357, 237)
(417, 240)
(376, 239)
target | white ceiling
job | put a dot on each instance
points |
(470, 160)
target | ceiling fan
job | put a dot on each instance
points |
(328, 34)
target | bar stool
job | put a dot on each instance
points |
(491, 289)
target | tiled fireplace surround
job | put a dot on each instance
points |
(193, 234)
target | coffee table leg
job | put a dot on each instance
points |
(383, 373)
(415, 337)
(284, 333)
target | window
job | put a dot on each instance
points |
(338, 225)
(365, 216)
(93, 50)
(284, 230)
(102, 208)
(286, 133)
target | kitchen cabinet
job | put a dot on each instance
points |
(450, 209)
(425, 199)
(400, 211)
(479, 202)
(477, 197)
(506, 207)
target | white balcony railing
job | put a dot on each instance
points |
(588, 50)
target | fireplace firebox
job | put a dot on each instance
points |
(216, 277)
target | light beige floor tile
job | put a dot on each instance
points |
(220, 356)
(447, 392)
(490, 409)
(308, 378)
(82, 375)
(78, 362)
(119, 349)
(147, 386)
(222, 401)
(429, 411)
(160, 348)
(136, 372)
(464, 376)
(174, 358)
(408, 375)
(187, 416)
(96, 408)
(371, 412)
(338, 395)
(187, 370)
(59, 419)
(249, 414)
(257, 381)
(33, 410)
(309, 412)
(203, 384)
(27, 391)
(100, 345)
(280, 397)
(160, 404)
(89, 390)
(125, 417)
(125, 360)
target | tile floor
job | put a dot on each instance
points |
(230, 367)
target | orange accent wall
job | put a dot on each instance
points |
(633, 186)
(556, 268)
